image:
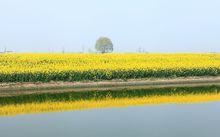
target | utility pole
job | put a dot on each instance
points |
(5, 49)
(139, 49)
(83, 49)
(63, 50)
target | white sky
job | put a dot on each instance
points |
(155, 25)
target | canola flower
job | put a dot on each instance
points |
(77, 67)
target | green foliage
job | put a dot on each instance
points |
(104, 45)
(105, 75)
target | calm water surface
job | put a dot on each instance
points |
(192, 120)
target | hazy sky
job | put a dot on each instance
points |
(155, 25)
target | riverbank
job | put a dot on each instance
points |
(14, 89)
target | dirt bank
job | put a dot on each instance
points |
(12, 89)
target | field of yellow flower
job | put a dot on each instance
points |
(77, 67)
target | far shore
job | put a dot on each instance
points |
(14, 89)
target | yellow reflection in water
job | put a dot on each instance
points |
(49, 106)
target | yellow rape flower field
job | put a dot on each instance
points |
(80, 67)
(77, 67)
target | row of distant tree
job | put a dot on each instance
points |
(103, 45)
